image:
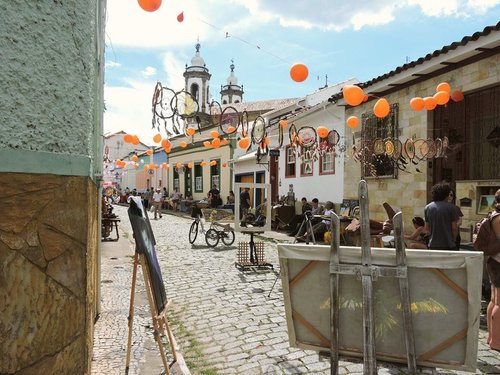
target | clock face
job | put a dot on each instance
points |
(259, 129)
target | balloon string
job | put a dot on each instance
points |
(228, 35)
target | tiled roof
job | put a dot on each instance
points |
(262, 105)
(437, 53)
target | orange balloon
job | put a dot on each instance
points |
(283, 123)
(149, 152)
(190, 131)
(430, 103)
(135, 140)
(442, 97)
(443, 86)
(216, 143)
(146, 167)
(190, 165)
(353, 95)
(179, 165)
(207, 144)
(299, 72)
(266, 141)
(417, 104)
(231, 129)
(381, 108)
(224, 165)
(134, 158)
(165, 143)
(223, 142)
(128, 138)
(213, 162)
(457, 96)
(183, 144)
(164, 165)
(244, 143)
(149, 5)
(352, 122)
(322, 131)
(157, 138)
(214, 134)
(203, 163)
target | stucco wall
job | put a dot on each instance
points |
(51, 82)
(409, 191)
(51, 135)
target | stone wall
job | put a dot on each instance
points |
(409, 191)
(48, 247)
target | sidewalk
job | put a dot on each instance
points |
(225, 321)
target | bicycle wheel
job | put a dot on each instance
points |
(193, 232)
(228, 238)
(212, 237)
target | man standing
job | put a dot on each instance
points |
(157, 200)
(441, 219)
(244, 201)
(214, 197)
(148, 198)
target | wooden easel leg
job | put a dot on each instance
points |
(131, 313)
(152, 306)
(170, 338)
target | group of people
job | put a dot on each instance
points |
(299, 226)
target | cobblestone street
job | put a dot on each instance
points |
(222, 318)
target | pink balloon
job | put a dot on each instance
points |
(180, 17)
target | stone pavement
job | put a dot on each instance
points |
(223, 320)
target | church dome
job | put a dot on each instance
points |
(197, 60)
(232, 80)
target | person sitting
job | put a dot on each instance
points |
(321, 227)
(316, 209)
(230, 197)
(420, 237)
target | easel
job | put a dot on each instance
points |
(160, 321)
(368, 273)
(308, 226)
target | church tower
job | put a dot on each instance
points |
(232, 92)
(197, 80)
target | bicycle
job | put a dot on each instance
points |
(212, 235)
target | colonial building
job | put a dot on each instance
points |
(471, 126)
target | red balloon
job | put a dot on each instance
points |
(180, 17)
(299, 72)
(149, 5)
(457, 96)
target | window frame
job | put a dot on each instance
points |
(288, 155)
(322, 160)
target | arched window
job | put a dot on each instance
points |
(224, 101)
(236, 101)
(194, 91)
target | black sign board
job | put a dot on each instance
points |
(145, 244)
(275, 153)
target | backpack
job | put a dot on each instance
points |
(486, 240)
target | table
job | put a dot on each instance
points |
(107, 227)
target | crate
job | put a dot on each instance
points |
(218, 214)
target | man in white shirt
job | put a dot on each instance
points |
(157, 200)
